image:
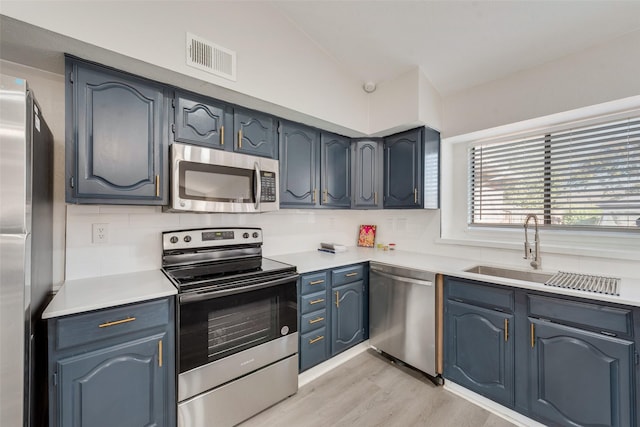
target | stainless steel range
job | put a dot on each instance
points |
(237, 325)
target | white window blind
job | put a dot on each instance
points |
(581, 177)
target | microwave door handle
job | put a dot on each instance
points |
(258, 190)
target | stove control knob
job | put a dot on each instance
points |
(255, 234)
(187, 238)
(174, 239)
(245, 235)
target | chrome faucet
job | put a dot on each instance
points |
(537, 257)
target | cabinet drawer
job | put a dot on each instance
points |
(313, 302)
(313, 348)
(314, 320)
(593, 316)
(314, 282)
(340, 276)
(487, 296)
(99, 325)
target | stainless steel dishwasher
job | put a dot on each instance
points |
(402, 310)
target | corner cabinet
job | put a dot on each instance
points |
(367, 167)
(315, 168)
(116, 137)
(333, 312)
(560, 360)
(403, 170)
(113, 367)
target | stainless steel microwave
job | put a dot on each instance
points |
(208, 180)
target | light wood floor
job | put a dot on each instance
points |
(370, 391)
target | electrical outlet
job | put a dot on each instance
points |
(100, 233)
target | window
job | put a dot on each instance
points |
(579, 177)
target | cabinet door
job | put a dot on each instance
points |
(200, 121)
(367, 174)
(116, 137)
(122, 385)
(480, 350)
(335, 172)
(579, 377)
(403, 170)
(346, 316)
(255, 133)
(299, 165)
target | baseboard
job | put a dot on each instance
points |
(491, 406)
(312, 373)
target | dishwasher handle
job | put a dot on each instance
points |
(400, 278)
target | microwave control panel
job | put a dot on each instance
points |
(268, 180)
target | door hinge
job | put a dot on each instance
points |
(279, 128)
(173, 127)
(71, 182)
(173, 103)
(71, 77)
(637, 358)
(55, 378)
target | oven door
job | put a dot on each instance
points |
(223, 338)
(207, 180)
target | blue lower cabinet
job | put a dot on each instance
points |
(579, 377)
(313, 348)
(114, 367)
(346, 316)
(480, 351)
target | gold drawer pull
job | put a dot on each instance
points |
(375, 198)
(315, 340)
(506, 329)
(240, 138)
(221, 135)
(337, 298)
(351, 274)
(319, 319)
(117, 322)
(533, 335)
(316, 301)
(160, 353)
(415, 195)
(157, 185)
(316, 282)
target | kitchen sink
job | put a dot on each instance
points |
(529, 276)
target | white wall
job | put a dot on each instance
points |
(276, 62)
(603, 73)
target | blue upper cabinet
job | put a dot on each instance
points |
(201, 121)
(255, 133)
(367, 170)
(116, 137)
(299, 165)
(335, 172)
(403, 175)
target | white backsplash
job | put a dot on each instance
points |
(134, 238)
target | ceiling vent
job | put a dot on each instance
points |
(209, 57)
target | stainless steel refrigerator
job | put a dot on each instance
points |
(26, 211)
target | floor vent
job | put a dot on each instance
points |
(209, 57)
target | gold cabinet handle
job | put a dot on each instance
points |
(415, 195)
(375, 198)
(313, 195)
(351, 274)
(337, 298)
(157, 185)
(325, 197)
(160, 353)
(240, 138)
(117, 322)
(506, 329)
(316, 301)
(221, 135)
(533, 335)
(315, 340)
(319, 319)
(316, 282)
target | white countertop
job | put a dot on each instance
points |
(78, 296)
(315, 260)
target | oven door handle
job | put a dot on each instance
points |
(258, 192)
(202, 296)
